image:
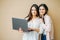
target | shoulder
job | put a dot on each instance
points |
(47, 17)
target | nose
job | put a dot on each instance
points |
(33, 11)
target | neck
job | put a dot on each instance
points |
(34, 17)
(41, 16)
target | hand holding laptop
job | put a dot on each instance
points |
(20, 30)
(30, 29)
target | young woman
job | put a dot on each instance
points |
(33, 24)
(46, 23)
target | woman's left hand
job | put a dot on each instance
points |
(35, 29)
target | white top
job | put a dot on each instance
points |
(33, 35)
(47, 26)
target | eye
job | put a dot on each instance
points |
(41, 9)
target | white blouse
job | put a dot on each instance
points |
(33, 35)
(47, 27)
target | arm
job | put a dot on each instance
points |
(34, 29)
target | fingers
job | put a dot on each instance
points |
(20, 30)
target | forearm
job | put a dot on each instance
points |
(37, 29)
(48, 36)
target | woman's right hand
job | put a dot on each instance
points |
(20, 30)
(30, 29)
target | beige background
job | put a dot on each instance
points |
(19, 9)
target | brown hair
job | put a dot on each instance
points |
(30, 14)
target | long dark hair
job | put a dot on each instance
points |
(46, 9)
(30, 14)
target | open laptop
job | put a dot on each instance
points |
(20, 23)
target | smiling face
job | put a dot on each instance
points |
(42, 10)
(33, 11)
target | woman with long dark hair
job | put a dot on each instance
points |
(33, 24)
(46, 23)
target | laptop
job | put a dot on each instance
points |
(20, 23)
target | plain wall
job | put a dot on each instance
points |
(20, 9)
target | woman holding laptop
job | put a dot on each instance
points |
(33, 24)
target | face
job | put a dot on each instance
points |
(33, 11)
(42, 10)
